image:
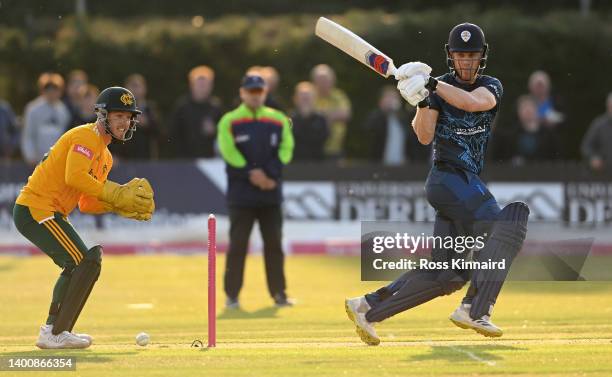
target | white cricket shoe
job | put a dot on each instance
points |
(65, 339)
(483, 325)
(356, 309)
(86, 337)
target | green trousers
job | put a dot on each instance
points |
(57, 238)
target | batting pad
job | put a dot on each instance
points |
(419, 287)
(505, 242)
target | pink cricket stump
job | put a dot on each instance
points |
(212, 265)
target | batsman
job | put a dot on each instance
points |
(75, 171)
(456, 113)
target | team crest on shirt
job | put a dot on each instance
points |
(126, 99)
(466, 35)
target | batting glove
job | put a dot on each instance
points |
(413, 89)
(408, 70)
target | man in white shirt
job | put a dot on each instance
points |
(45, 119)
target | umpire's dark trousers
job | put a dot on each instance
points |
(270, 220)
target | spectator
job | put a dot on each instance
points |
(309, 127)
(8, 131)
(528, 141)
(597, 143)
(334, 104)
(391, 139)
(195, 116)
(145, 144)
(255, 142)
(272, 79)
(502, 143)
(85, 110)
(539, 88)
(77, 81)
(45, 118)
(254, 70)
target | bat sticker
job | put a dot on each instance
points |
(378, 62)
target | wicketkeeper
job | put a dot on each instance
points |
(75, 171)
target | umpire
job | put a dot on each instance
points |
(255, 142)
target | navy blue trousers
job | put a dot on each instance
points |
(464, 207)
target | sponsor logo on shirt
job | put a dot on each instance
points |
(242, 138)
(83, 150)
(470, 131)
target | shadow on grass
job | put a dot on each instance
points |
(81, 356)
(267, 312)
(477, 354)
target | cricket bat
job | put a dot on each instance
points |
(352, 44)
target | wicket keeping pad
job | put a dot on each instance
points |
(84, 277)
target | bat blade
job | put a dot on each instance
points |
(355, 46)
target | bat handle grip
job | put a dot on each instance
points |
(392, 71)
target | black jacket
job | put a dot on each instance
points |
(310, 133)
(190, 122)
(376, 130)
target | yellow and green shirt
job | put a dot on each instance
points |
(72, 172)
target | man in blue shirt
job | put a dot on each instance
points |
(455, 111)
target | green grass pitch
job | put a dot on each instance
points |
(551, 329)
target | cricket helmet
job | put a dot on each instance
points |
(466, 37)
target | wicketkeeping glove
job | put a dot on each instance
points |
(144, 184)
(130, 197)
(129, 215)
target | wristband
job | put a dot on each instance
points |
(424, 103)
(431, 84)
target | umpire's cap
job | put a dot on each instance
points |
(253, 82)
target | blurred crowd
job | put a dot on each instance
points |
(320, 112)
